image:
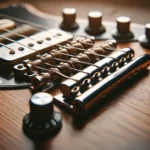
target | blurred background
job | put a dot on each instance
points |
(137, 10)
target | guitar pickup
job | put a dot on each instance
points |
(30, 47)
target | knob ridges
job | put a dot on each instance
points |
(42, 119)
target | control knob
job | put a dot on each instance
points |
(123, 29)
(42, 119)
(69, 19)
(95, 23)
(145, 39)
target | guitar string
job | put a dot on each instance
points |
(57, 59)
(34, 49)
(53, 58)
(70, 68)
(43, 68)
(38, 27)
(81, 49)
(50, 45)
(2, 44)
(21, 35)
(82, 62)
(34, 25)
(61, 60)
(61, 52)
(10, 39)
(58, 73)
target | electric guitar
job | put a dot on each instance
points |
(95, 73)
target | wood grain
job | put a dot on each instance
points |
(122, 122)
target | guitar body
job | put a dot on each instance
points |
(121, 121)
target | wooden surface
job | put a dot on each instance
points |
(120, 123)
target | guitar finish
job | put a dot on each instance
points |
(121, 121)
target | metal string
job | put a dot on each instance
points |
(70, 68)
(82, 62)
(5, 46)
(78, 61)
(9, 39)
(58, 73)
(99, 55)
(36, 51)
(42, 28)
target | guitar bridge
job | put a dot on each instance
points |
(75, 70)
(79, 73)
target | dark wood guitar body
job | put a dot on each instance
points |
(120, 122)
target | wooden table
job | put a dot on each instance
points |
(120, 123)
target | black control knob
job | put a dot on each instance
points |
(95, 23)
(69, 19)
(123, 29)
(42, 119)
(145, 39)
